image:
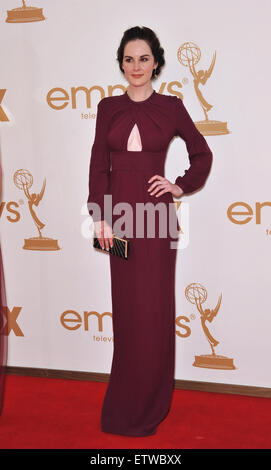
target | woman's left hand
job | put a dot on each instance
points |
(163, 185)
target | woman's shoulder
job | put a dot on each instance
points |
(167, 101)
(164, 96)
(111, 98)
(167, 98)
(108, 102)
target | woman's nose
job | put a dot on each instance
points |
(136, 66)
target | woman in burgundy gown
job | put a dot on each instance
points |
(127, 158)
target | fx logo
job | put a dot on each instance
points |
(11, 321)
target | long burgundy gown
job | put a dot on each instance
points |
(141, 382)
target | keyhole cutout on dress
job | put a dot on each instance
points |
(134, 140)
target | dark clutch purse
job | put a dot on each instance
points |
(120, 246)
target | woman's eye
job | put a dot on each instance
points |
(143, 58)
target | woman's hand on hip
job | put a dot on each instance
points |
(161, 185)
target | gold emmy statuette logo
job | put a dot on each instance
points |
(24, 180)
(24, 14)
(189, 55)
(197, 294)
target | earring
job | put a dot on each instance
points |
(155, 74)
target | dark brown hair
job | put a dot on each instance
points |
(150, 37)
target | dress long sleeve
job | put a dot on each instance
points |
(200, 155)
(99, 168)
(138, 398)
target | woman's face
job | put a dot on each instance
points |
(138, 62)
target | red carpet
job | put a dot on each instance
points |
(42, 413)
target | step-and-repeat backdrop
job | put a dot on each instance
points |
(58, 59)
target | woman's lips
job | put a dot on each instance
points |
(137, 76)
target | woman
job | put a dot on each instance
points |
(133, 131)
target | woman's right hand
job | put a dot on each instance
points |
(104, 233)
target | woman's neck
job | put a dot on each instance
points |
(139, 93)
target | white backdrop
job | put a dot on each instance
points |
(75, 46)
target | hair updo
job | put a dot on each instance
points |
(150, 37)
